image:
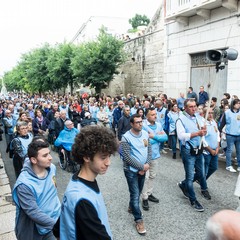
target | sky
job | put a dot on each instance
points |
(27, 24)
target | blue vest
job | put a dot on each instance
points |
(25, 142)
(76, 191)
(45, 192)
(173, 116)
(232, 122)
(212, 135)
(11, 121)
(161, 116)
(191, 124)
(157, 127)
(138, 147)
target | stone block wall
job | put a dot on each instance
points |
(143, 71)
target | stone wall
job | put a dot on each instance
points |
(143, 71)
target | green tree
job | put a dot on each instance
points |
(139, 20)
(96, 62)
(36, 69)
(59, 66)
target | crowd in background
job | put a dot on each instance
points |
(24, 116)
(45, 114)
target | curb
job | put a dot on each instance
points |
(7, 208)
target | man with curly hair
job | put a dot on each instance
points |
(84, 215)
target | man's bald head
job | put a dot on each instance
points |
(224, 225)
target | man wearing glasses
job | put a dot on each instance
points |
(136, 154)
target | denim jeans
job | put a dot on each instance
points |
(194, 169)
(161, 146)
(232, 140)
(173, 143)
(135, 183)
(211, 164)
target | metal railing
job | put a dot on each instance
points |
(175, 7)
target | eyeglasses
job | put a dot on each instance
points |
(23, 128)
(139, 122)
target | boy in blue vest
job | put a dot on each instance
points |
(84, 215)
(35, 195)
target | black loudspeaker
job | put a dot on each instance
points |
(222, 55)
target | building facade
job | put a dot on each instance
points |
(171, 55)
(192, 28)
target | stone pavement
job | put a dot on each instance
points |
(7, 209)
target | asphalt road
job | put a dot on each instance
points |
(172, 218)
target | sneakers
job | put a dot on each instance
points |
(145, 205)
(174, 156)
(129, 210)
(230, 169)
(197, 206)
(163, 151)
(184, 190)
(140, 228)
(197, 181)
(206, 194)
(151, 198)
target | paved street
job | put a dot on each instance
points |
(172, 218)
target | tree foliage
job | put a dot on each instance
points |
(139, 20)
(59, 66)
(50, 68)
(96, 62)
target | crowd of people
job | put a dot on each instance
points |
(139, 128)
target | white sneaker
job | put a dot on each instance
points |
(231, 169)
(163, 151)
(238, 169)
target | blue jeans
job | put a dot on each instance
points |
(135, 183)
(211, 164)
(173, 142)
(232, 140)
(161, 146)
(194, 169)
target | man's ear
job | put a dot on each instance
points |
(33, 160)
(86, 159)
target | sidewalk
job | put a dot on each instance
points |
(7, 209)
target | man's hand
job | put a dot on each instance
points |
(150, 135)
(146, 167)
(161, 133)
(141, 172)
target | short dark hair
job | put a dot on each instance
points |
(191, 88)
(140, 109)
(214, 99)
(234, 102)
(91, 140)
(227, 95)
(148, 110)
(37, 144)
(134, 116)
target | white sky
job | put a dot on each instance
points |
(27, 24)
